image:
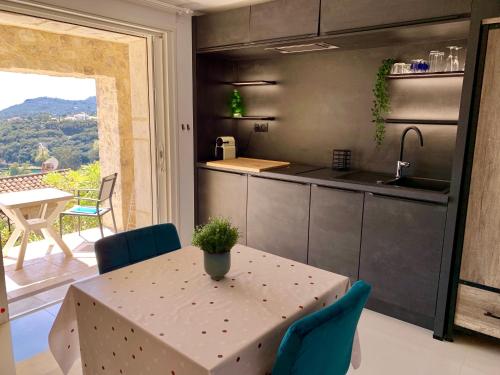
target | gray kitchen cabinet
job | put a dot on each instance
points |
(339, 15)
(226, 28)
(223, 194)
(401, 251)
(278, 217)
(335, 230)
(284, 19)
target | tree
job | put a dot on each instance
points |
(68, 158)
(42, 154)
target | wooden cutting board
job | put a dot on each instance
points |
(248, 164)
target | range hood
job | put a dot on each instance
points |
(301, 48)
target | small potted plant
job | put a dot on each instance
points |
(216, 239)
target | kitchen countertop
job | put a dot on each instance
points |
(322, 176)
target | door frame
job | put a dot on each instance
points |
(163, 111)
(482, 10)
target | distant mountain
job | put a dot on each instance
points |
(52, 106)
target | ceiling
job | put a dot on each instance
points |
(211, 5)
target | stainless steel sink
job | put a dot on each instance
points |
(365, 177)
(421, 183)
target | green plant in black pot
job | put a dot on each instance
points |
(216, 239)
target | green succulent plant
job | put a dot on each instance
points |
(216, 237)
(381, 101)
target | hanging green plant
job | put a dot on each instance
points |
(236, 104)
(382, 101)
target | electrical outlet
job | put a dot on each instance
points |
(261, 128)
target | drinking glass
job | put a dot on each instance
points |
(423, 66)
(398, 68)
(433, 61)
(440, 62)
(414, 66)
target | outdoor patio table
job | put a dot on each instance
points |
(166, 316)
(13, 203)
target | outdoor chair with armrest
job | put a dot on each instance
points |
(104, 193)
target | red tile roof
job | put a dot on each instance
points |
(24, 182)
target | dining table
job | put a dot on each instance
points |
(165, 315)
(50, 202)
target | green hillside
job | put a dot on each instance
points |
(72, 142)
(51, 106)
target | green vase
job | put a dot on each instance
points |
(217, 265)
(236, 104)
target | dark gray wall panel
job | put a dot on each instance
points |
(223, 194)
(322, 101)
(339, 15)
(335, 230)
(401, 251)
(284, 19)
(278, 217)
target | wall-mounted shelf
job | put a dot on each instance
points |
(263, 118)
(426, 75)
(251, 83)
(421, 122)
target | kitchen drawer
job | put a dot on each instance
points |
(473, 307)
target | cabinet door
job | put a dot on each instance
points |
(223, 28)
(278, 217)
(223, 194)
(337, 15)
(335, 230)
(284, 19)
(481, 248)
(401, 256)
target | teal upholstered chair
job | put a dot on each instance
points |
(126, 248)
(321, 343)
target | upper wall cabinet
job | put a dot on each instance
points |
(339, 15)
(281, 19)
(231, 27)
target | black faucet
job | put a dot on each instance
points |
(404, 164)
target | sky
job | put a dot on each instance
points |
(15, 88)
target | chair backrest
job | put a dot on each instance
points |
(107, 187)
(123, 249)
(321, 343)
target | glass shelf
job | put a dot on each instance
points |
(421, 122)
(426, 75)
(251, 83)
(268, 118)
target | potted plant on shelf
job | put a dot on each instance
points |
(216, 239)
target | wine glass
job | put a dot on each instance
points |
(449, 60)
(456, 62)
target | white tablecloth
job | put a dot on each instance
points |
(166, 316)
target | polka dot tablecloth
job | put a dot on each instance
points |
(166, 316)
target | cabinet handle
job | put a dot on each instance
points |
(491, 315)
(182, 126)
(188, 127)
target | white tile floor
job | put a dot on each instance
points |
(46, 277)
(389, 347)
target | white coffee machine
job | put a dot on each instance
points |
(225, 148)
